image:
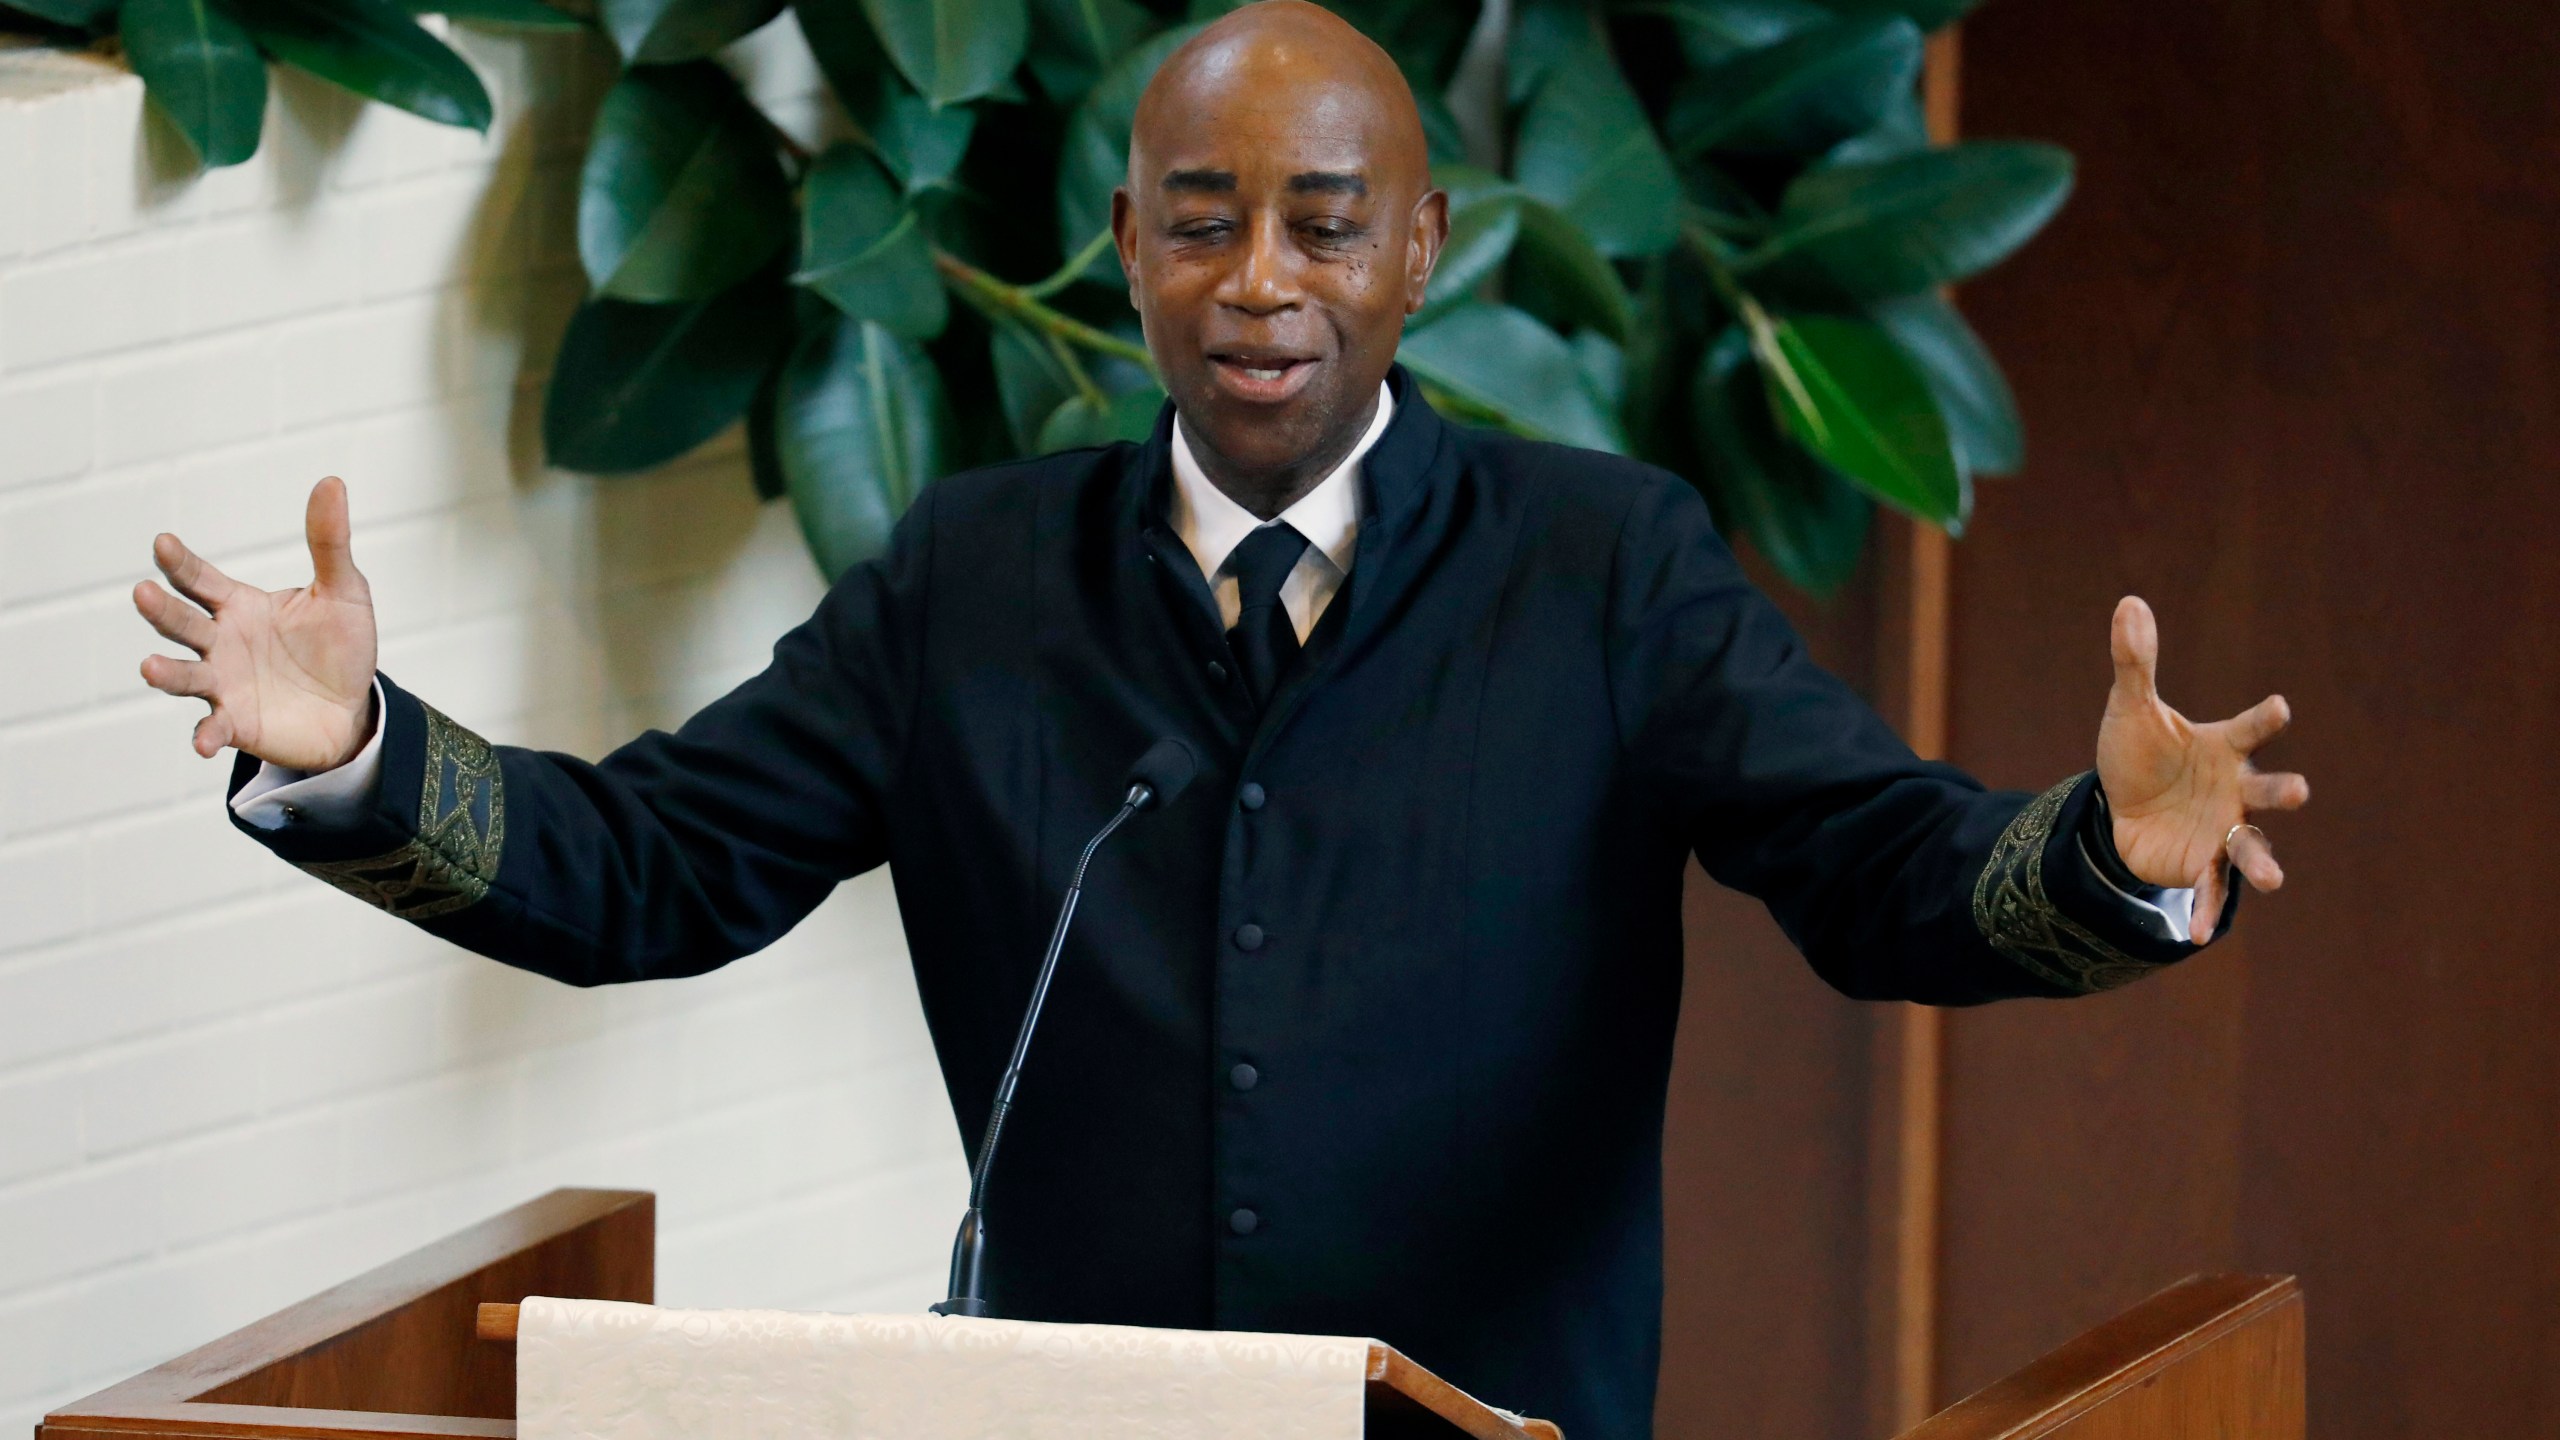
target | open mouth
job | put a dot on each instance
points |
(1262, 377)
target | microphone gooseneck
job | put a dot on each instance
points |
(1157, 780)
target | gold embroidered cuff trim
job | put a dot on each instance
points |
(2020, 920)
(462, 825)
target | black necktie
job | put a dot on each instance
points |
(1264, 639)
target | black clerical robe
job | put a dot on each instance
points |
(1368, 1034)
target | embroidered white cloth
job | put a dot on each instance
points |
(614, 1371)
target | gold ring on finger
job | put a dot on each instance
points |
(2233, 833)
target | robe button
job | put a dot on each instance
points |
(1248, 937)
(1244, 1222)
(1217, 672)
(1250, 796)
(293, 813)
(1244, 1077)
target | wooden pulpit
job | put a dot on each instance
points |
(399, 1354)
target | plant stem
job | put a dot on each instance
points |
(1716, 258)
(1074, 267)
(1065, 355)
(1016, 303)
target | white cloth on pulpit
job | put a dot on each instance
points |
(607, 1370)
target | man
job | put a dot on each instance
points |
(1369, 1034)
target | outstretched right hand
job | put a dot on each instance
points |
(289, 672)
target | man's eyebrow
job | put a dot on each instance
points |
(1211, 182)
(1328, 182)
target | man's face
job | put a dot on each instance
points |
(1276, 232)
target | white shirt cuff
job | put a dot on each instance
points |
(2176, 908)
(276, 796)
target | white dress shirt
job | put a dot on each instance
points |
(1211, 526)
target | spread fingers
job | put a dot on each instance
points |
(2208, 911)
(2259, 723)
(174, 618)
(195, 578)
(2133, 640)
(2281, 790)
(2252, 856)
(178, 677)
(212, 733)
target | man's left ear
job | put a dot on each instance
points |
(1124, 239)
(1430, 232)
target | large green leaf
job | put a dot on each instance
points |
(848, 54)
(660, 32)
(1077, 422)
(1505, 363)
(1981, 414)
(1542, 33)
(1721, 201)
(1444, 140)
(204, 72)
(922, 146)
(1603, 363)
(638, 385)
(1031, 383)
(859, 432)
(1802, 95)
(682, 194)
(76, 14)
(500, 14)
(1927, 14)
(373, 48)
(952, 50)
(1425, 37)
(1075, 42)
(1848, 394)
(1484, 220)
(1903, 129)
(1096, 158)
(1558, 275)
(865, 248)
(1901, 226)
(1671, 329)
(1586, 148)
(1797, 511)
(1714, 31)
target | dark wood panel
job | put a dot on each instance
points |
(1764, 1157)
(1763, 1189)
(2288, 361)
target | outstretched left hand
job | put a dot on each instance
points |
(2178, 790)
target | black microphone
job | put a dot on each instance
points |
(1157, 780)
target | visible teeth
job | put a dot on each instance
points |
(1262, 374)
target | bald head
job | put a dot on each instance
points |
(1289, 66)
(1277, 226)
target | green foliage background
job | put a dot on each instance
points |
(1719, 241)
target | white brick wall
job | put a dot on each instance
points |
(223, 1086)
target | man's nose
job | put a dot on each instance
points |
(1264, 278)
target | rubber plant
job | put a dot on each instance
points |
(1719, 238)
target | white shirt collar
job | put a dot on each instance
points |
(1211, 525)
